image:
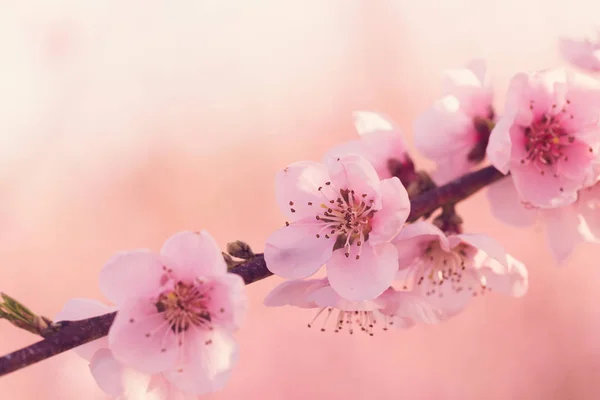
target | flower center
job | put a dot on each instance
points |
(186, 305)
(345, 215)
(438, 269)
(365, 320)
(546, 139)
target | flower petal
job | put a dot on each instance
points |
(326, 296)
(78, 309)
(447, 301)
(486, 244)
(414, 238)
(141, 338)
(368, 122)
(388, 221)
(589, 204)
(562, 230)
(353, 172)
(295, 252)
(364, 278)
(510, 278)
(294, 293)
(412, 307)
(207, 364)
(229, 301)
(505, 204)
(299, 184)
(499, 146)
(194, 254)
(131, 274)
(107, 372)
(543, 190)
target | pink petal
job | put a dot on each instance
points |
(377, 147)
(499, 146)
(562, 230)
(446, 135)
(137, 385)
(542, 190)
(471, 87)
(327, 297)
(381, 147)
(354, 172)
(228, 301)
(341, 150)
(107, 372)
(365, 278)
(413, 239)
(147, 344)
(367, 122)
(131, 274)
(294, 293)
(78, 309)
(505, 204)
(161, 389)
(295, 252)
(298, 183)
(388, 221)
(444, 129)
(194, 255)
(412, 242)
(446, 301)
(207, 364)
(581, 53)
(510, 278)
(486, 244)
(578, 167)
(412, 306)
(589, 206)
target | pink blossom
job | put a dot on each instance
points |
(565, 227)
(401, 309)
(549, 137)
(341, 215)
(454, 131)
(381, 144)
(449, 270)
(583, 53)
(112, 377)
(177, 312)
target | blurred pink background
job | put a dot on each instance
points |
(124, 121)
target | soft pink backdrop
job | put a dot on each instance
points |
(122, 122)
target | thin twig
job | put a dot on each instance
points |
(76, 333)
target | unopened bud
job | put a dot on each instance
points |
(240, 249)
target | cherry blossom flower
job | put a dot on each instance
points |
(401, 309)
(583, 53)
(177, 312)
(341, 215)
(565, 227)
(450, 270)
(549, 136)
(454, 131)
(381, 144)
(114, 378)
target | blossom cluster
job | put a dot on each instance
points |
(348, 223)
(177, 311)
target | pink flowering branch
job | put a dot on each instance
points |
(67, 335)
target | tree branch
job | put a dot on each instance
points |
(75, 333)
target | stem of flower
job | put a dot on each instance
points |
(71, 334)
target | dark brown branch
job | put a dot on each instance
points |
(76, 333)
(453, 192)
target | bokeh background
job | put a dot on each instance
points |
(124, 121)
